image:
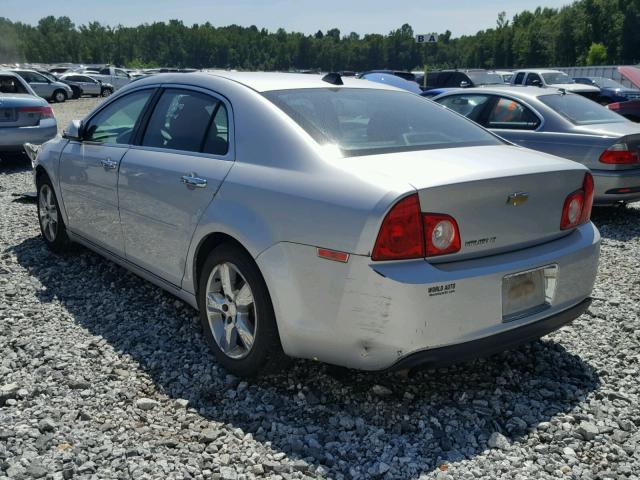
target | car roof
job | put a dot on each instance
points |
(538, 70)
(520, 92)
(268, 81)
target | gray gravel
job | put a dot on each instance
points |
(103, 375)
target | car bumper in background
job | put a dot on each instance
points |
(12, 139)
(376, 315)
(612, 186)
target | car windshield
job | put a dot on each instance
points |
(607, 83)
(555, 78)
(580, 110)
(371, 121)
(485, 78)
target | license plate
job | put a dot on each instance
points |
(6, 114)
(526, 293)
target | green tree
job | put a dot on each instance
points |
(597, 54)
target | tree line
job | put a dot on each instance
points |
(585, 32)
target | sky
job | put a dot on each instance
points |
(462, 17)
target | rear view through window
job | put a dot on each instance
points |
(366, 122)
(580, 110)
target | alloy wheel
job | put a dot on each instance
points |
(231, 311)
(48, 213)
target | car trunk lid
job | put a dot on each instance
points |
(18, 110)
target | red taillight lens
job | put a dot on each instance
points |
(401, 236)
(577, 206)
(587, 186)
(614, 106)
(619, 154)
(441, 234)
(45, 112)
(407, 233)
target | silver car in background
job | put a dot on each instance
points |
(325, 218)
(44, 87)
(24, 117)
(88, 85)
(563, 124)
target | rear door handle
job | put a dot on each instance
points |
(109, 164)
(193, 181)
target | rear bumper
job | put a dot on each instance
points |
(609, 182)
(487, 346)
(372, 315)
(12, 139)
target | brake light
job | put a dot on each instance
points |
(407, 233)
(441, 233)
(614, 106)
(619, 154)
(45, 111)
(577, 206)
(401, 236)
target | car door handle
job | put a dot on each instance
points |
(193, 181)
(109, 164)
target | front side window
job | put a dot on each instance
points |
(182, 118)
(116, 123)
(371, 121)
(580, 110)
(519, 78)
(533, 79)
(512, 115)
(121, 73)
(470, 106)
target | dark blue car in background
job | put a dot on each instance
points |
(610, 90)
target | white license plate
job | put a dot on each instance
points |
(525, 293)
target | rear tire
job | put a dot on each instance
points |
(52, 227)
(106, 92)
(236, 314)
(59, 96)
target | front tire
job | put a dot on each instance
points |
(237, 315)
(59, 96)
(106, 92)
(52, 227)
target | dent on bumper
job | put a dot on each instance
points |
(372, 315)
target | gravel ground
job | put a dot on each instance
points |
(103, 375)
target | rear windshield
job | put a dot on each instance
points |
(580, 110)
(368, 121)
(485, 78)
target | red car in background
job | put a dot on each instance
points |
(630, 109)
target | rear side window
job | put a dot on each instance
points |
(115, 123)
(512, 115)
(184, 120)
(10, 84)
(372, 121)
(579, 110)
(519, 78)
(470, 106)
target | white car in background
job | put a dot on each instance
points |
(553, 78)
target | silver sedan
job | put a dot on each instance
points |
(24, 117)
(324, 218)
(563, 124)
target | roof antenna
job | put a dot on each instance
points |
(333, 78)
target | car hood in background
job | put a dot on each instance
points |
(393, 80)
(576, 87)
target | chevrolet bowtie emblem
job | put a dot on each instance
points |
(517, 198)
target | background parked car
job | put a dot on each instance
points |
(117, 77)
(610, 90)
(393, 80)
(458, 79)
(554, 78)
(77, 91)
(629, 110)
(24, 116)
(44, 87)
(87, 85)
(562, 124)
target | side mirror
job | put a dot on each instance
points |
(536, 83)
(464, 84)
(74, 130)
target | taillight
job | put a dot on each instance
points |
(407, 233)
(619, 154)
(45, 111)
(401, 236)
(614, 106)
(577, 206)
(441, 234)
